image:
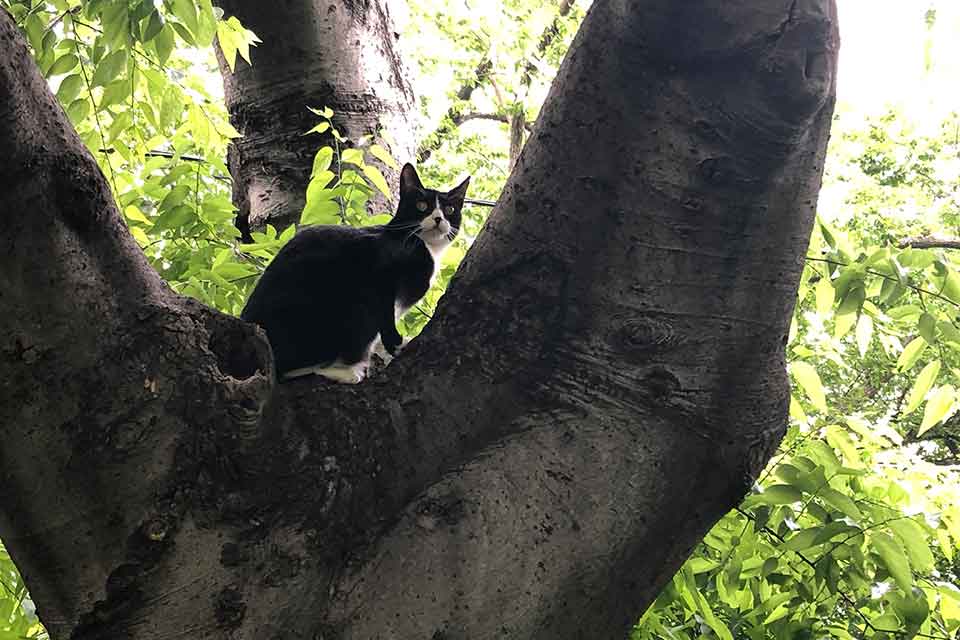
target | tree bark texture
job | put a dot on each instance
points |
(602, 381)
(338, 53)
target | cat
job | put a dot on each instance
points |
(332, 290)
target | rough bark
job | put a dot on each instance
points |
(339, 54)
(601, 382)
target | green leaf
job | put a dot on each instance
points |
(185, 34)
(321, 162)
(171, 107)
(843, 324)
(186, 11)
(852, 301)
(69, 89)
(893, 559)
(921, 386)
(796, 410)
(828, 236)
(109, 68)
(115, 93)
(133, 213)
(938, 407)
(163, 43)
(951, 286)
(384, 156)
(949, 332)
(320, 128)
(206, 23)
(370, 221)
(803, 539)
(777, 494)
(352, 156)
(78, 110)
(911, 354)
(809, 381)
(927, 325)
(905, 312)
(321, 212)
(63, 64)
(374, 175)
(864, 333)
(174, 218)
(228, 44)
(841, 502)
(154, 26)
(946, 544)
(912, 607)
(914, 539)
(233, 270)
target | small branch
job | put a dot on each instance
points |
(59, 18)
(546, 39)
(480, 203)
(496, 117)
(915, 288)
(930, 242)
(466, 117)
(433, 141)
(157, 153)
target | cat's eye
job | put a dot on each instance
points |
(448, 210)
(422, 205)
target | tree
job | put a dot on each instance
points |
(545, 455)
(311, 55)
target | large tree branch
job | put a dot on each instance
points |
(658, 371)
(600, 383)
(452, 119)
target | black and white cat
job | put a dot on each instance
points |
(332, 290)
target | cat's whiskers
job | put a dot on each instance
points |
(411, 235)
(403, 226)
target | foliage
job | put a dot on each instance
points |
(18, 617)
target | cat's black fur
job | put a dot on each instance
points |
(332, 289)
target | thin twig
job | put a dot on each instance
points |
(886, 277)
(96, 111)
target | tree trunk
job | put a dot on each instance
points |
(339, 54)
(602, 381)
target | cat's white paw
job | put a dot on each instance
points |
(381, 351)
(338, 372)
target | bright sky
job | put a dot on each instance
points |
(883, 51)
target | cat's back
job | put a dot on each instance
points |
(317, 257)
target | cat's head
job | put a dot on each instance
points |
(433, 215)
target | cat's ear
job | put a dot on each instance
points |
(459, 192)
(409, 180)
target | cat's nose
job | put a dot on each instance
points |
(438, 220)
